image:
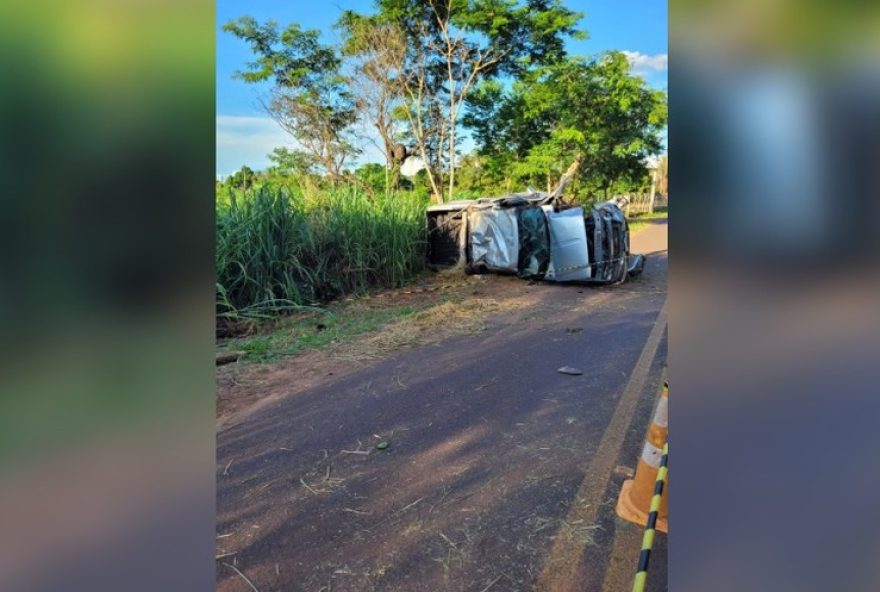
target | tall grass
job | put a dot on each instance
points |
(277, 249)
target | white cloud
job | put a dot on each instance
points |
(643, 63)
(246, 140)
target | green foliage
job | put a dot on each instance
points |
(596, 109)
(310, 98)
(336, 323)
(407, 69)
(287, 163)
(277, 249)
(294, 235)
(452, 46)
(373, 175)
(531, 32)
(242, 179)
(292, 58)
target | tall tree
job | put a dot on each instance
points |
(595, 111)
(375, 54)
(453, 45)
(287, 162)
(309, 98)
(243, 178)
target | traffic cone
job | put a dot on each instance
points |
(636, 493)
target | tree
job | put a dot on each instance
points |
(592, 111)
(243, 178)
(375, 53)
(372, 174)
(288, 162)
(627, 116)
(294, 167)
(454, 44)
(418, 69)
(309, 98)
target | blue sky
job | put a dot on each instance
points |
(245, 135)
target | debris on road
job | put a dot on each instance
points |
(624, 471)
(570, 370)
(356, 451)
(244, 577)
(382, 445)
(353, 511)
(307, 486)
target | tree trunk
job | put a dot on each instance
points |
(452, 154)
(566, 177)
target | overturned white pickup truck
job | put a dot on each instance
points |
(533, 235)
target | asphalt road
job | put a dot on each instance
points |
(501, 473)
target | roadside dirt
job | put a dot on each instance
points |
(448, 304)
